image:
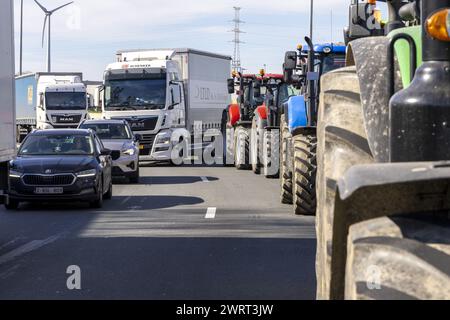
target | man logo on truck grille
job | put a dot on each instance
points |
(137, 125)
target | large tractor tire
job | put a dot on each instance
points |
(285, 173)
(242, 148)
(271, 154)
(228, 141)
(342, 143)
(399, 258)
(257, 137)
(304, 173)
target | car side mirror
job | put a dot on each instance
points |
(106, 152)
(137, 137)
(230, 83)
(115, 155)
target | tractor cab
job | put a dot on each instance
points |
(248, 95)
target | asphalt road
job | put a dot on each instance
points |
(182, 233)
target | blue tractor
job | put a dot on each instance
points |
(298, 164)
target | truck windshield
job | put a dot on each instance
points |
(65, 101)
(138, 94)
(56, 145)
(109, 131)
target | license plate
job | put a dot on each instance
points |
(49, 191)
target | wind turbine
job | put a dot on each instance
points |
(48, 15)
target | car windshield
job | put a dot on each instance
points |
(65, 101)
(109, 131)
(57, 145)
(138, 94)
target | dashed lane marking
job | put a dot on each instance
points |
(211, 213)
(26, 248)
(125, 201)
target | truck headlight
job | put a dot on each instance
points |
(15, 174)
(165, 140)
(87, 173)
(129, 152)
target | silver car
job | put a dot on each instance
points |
(117, 135)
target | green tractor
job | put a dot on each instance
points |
(383, 177)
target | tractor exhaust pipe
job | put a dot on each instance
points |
(420, 114)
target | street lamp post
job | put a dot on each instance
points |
(311, 20)
(21, 39)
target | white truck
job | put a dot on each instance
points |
(50, 101)
(158, 91)
(7, 110)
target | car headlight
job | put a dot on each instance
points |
(163, 140)
(129, 152)
(15, 174)
(87, 173)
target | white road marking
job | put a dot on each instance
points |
(125, 201)
(211, 213)
(26, 248)
(11, 242)
(205, 179)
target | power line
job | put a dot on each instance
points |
(237, 40)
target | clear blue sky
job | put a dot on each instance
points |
(86, 35)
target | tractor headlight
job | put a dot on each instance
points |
(438, 25)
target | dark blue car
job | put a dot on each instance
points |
(60, 165)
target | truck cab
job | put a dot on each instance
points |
(148, 93)
(62, 106)
(54, 100)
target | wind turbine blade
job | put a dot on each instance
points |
(43, 30)
(41, 6)
(65, 5)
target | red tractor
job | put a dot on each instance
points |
(251, 111)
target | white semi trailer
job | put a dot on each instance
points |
(7, 109)
(50, 101)
(159, 91)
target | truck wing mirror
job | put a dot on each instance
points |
(290, 61)
(287, 76)
(230, 83)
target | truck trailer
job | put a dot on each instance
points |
(7, 110)
(161, 90)
(50, 101)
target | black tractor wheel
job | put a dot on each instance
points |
(271, 154)
(399, 258)
(257, 144)
(228, 141)
(305, 168)
(242, 149)
(285, 174)
(342, 143)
